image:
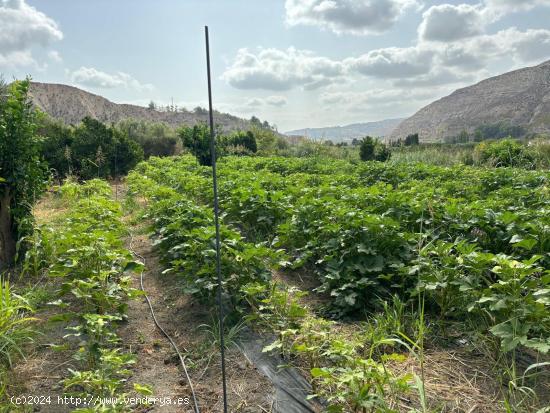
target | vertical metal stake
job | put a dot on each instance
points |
(216, 217)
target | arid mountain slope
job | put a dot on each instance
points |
(71, 104)
(521, 97)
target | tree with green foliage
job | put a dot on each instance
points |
(99, 151)
(267, 141)
(22, 171)
(57, 139)
(196, 140)
(161, 146)
(244, 139)
(255, 121)
(412, 139)
(156, 138)
(126, 154)
(372, 149)
(499, 130)
(92, 139)
(366, 150)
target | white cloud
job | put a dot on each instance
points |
(375, 103)
(447, 22)
(374, 97)
(24, 26)
(89, 76)
(510, 6)
(459, 56)
(255, 103)
(450, 23)
(452, 50)
(530, 46)
(13, 60)
(347, 16)
(428, 63)
(438, 63)
(54, 56)
(393, 62)
(21, 28)
(276, 100)
(274, 69)
(439, 76)
(474, 54)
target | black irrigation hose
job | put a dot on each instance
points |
(182, 361)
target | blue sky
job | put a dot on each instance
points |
(295, 63)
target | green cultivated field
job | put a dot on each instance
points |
(406, 258)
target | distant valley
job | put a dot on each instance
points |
(348, 132)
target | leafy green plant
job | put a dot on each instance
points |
(196, 139)
(505, 152)
(23, 173)
(362, 386)
(187, 242)
(15, 330)
(104, 382)
(275, 306)
(89, 258)
(372, 149)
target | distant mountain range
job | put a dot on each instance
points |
(72, 104)
(519, 98)
(348, 132)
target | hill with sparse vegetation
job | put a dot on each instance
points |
(520, 98)
(71, 104)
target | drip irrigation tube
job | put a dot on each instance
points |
(175, 347)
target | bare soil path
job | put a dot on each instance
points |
(181, 316)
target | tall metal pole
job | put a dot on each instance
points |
(216, 218)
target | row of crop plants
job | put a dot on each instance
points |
(15, 333)
(83, 249)
(357, 379)
(472, 243)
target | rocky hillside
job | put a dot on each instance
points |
(348, 132)
(521, 97)
(71, 104)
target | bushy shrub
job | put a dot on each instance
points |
(101, 151)
(196, 140)
(372, 149)
(498, 130)
(247, 140)
(541, 147)
(506, 152)
(156, 139)
(127, 154)
(88, 150)
(57, 139)
(412, 139)
(159, 146)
